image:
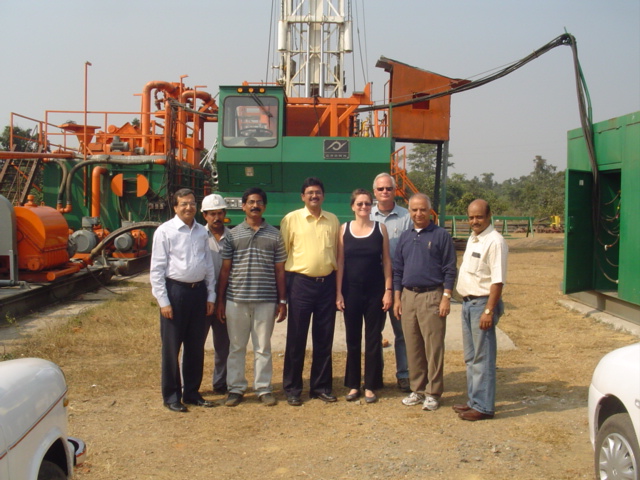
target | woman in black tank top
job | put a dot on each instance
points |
(364, 292)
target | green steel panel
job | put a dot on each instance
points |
(629, 286)
(578, 238)
(590, 258)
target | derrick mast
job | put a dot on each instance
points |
(313, 38)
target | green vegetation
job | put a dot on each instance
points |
(539, 194)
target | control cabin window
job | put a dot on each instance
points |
(250, 121)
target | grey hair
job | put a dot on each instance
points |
(381, 175)
(421, 195)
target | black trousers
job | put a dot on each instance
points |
(187, 329)
(221, 352)
(310, 296)
(364, 301)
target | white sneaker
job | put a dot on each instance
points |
(413, 399)
(430, 403)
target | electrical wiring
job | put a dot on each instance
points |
(564, 39)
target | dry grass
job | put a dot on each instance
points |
(111, 358)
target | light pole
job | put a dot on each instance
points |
(86, 69)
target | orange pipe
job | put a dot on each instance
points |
(146, 108)
(70, 270)
(95, 189)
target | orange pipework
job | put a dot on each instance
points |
(95, 189)
(146, 108)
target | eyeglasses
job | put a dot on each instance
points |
(382, 189)
(311, 193)
(260, 203)
(187, 204)
(363, 204)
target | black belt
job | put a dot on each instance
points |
(316, 279)
(423, 289)
(468, 298)
(186, 284)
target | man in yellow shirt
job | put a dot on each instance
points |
(310, 237)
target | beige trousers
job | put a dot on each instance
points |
(424, 330)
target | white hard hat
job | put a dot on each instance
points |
(213, 202)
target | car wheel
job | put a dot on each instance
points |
(50, 471)
(617, 453)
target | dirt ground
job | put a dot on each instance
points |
(540, 429)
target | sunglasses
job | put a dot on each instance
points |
(363, 204)
(382, 189)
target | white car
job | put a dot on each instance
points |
(614, 414)
(33, 422)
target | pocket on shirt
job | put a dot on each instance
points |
(329, 239)
(474, 263)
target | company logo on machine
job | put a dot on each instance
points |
(336, 149)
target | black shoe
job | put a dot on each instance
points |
(220, 390)
(352, 397)
(325, 397)
(200, 402)
(294, 400)
(403, 385)
(373, 399)
(176, 407)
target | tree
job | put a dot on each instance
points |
(539, 194)
(23, 140)
(422, 166)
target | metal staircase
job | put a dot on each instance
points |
(17, 178)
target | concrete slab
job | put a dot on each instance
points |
(616, 322)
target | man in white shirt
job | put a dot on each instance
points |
(480, 281)
(183, 282)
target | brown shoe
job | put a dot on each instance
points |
(461, 407)
(473, 415)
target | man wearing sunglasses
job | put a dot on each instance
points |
(397, 220)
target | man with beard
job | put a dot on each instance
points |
(252, 297)
(214, 211)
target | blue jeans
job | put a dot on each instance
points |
(399, 346)
(480, 350)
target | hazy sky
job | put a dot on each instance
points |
(497, 128)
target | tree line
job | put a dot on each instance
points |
(539, 194)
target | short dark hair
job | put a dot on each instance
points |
(254, 191)
(312, 182)
(183, 192)
(360, 191)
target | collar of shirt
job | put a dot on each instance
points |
(482, 235)
(179, 224)
(307, 213)
(394, 211)
(246, 226)
(428, 228)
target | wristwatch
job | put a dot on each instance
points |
(488, 312)
(445, 294)
(283, 302)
